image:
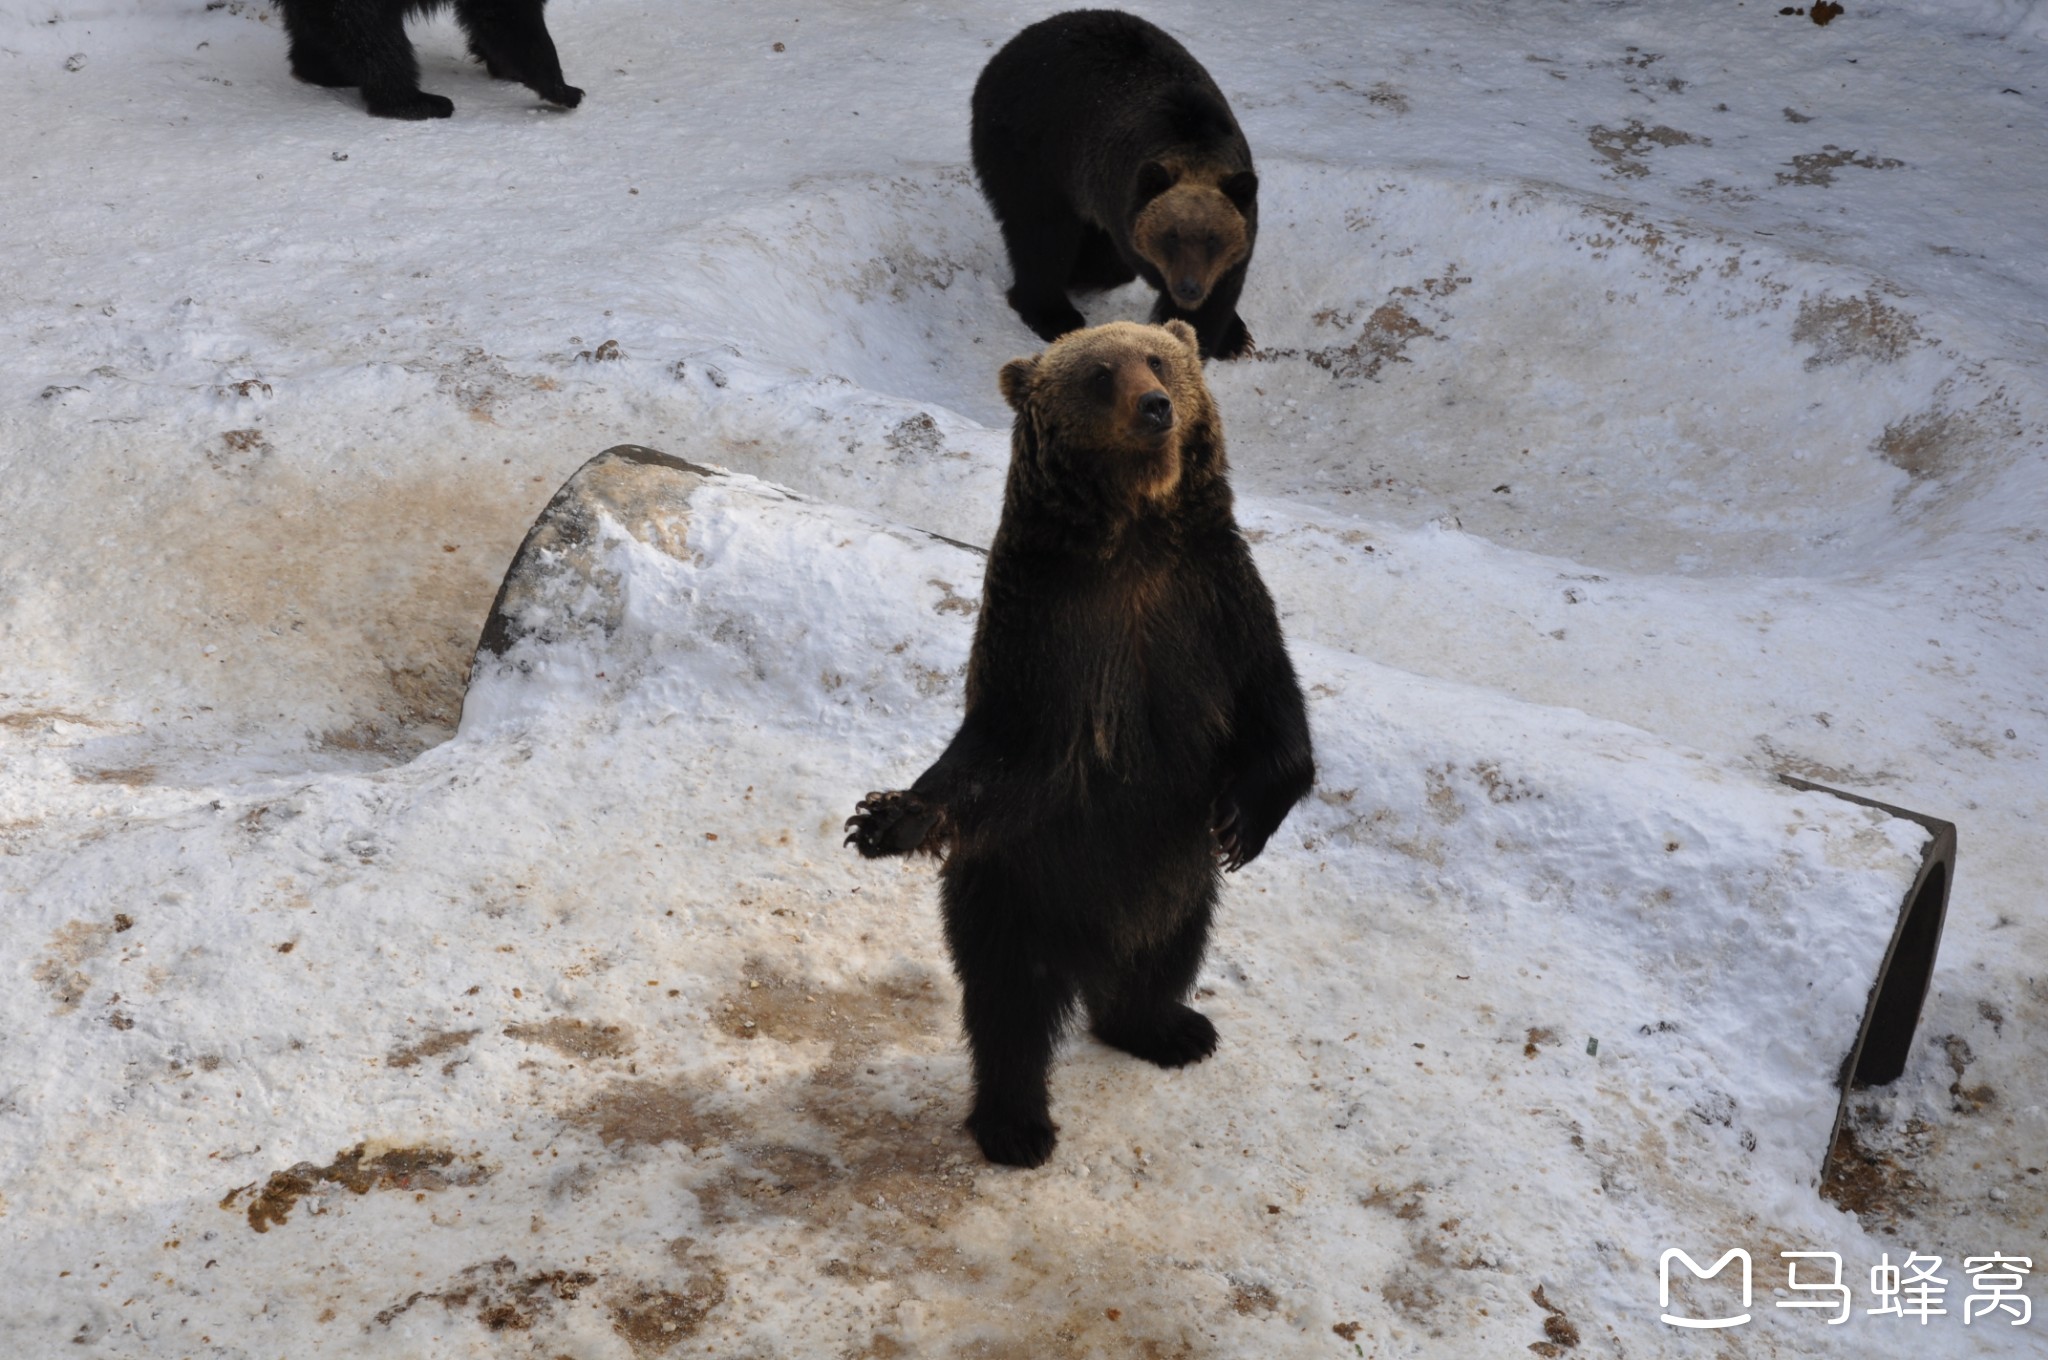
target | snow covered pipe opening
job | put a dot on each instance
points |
(565, 528)
(1884, 1041)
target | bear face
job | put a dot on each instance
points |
(1193, 227)
(1115, 407)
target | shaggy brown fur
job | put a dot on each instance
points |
(1107, 153)
(1133, 721)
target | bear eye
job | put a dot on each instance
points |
(1171, 242)
(1102, 381)
(1214, 243)
(1158, 369)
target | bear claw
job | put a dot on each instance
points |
(894, 823)
(1228, 830)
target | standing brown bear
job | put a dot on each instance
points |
(1108, 153)
(1132, 721)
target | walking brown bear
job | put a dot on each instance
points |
(363, 43)
(1132, 721)
(1108, 153)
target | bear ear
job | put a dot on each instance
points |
(1015, 380)
(1154, 179)
(1183, 332)
(1241, 188)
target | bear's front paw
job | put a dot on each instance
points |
(1234, 343)
(892, 824)
(1048, 318)
(560, 95)
(1009, 1138)
(1227, 825)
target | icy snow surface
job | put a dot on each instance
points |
(1649, 400)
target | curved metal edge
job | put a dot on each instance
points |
(496, 637)
(1884, 1039)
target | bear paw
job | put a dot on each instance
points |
(1235, 342)
(1174, 1037)
(1012, 1139)
(413, 105)
(563, 96)
(1048, 320)
(1233, 840)
(892, 824)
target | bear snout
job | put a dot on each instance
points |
(1155, 412)
(1188, 290)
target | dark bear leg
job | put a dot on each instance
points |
(1013, 1014)
(511, 39)
(318, 65)
(1142, 1009)
(1014, 1003)
(1098, 264)
(319, 51)
(1043, 242)
(372, 47)
(361, 44)
(1221, 333)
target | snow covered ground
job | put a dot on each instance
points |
(1650, 399)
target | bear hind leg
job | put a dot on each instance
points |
(361, 44)
(1014, 1003)
(511, 38)
(1143, 1009)
(388, 72)
(1171, 1034)
(317, 64)
(1013, 1011)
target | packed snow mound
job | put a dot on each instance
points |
(634, 1051)
(1555, 373)
(654, 585)
(1716, 936)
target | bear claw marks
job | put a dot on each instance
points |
(896, 823)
